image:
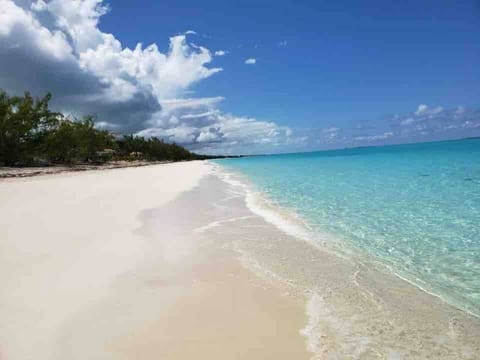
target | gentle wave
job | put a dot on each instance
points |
(285, 220)
(324, 315)
(409, 209)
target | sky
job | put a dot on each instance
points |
(242, 77)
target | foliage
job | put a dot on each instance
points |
(152, 149)
(77, 141)
(24, 123)
(30, 133)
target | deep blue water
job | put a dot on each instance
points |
(416, 207)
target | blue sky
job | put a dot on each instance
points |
(348, 61)
(320, 66)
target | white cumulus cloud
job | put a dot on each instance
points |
(221, 52)
(199, 124)
(422, 108)
(251, 61)
(426, 110)
(57, 46)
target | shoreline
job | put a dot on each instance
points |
(235, 313)
(370, 287)
(292, 224)
(172, 262)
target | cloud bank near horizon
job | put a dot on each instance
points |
(57, 46)
(423, 124)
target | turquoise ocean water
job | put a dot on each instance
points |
(414, 208)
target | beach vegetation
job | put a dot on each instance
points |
(32, 134)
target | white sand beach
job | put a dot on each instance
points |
(169, 262)
(83, 277)
(239, 180)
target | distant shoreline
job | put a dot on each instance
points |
(9, 172)
(30, 171)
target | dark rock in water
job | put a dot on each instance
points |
(424, 174)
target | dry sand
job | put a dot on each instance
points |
(110, 265)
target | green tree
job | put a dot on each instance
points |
(24, 123)
(77, 141)
(61, 145)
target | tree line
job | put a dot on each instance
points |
(32, 134)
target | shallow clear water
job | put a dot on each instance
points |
(416, 208)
